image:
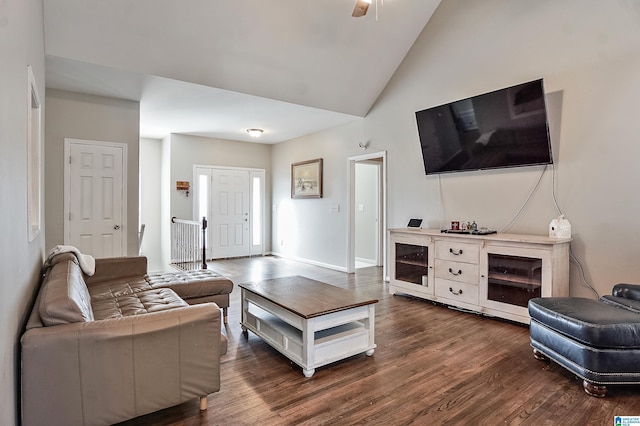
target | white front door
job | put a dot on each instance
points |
(232, 200)
(229, 223)
(95, 197)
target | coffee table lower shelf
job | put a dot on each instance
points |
(310, 342)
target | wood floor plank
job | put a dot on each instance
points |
(432, 365)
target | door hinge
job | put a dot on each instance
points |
(69, 159)
(69, 216)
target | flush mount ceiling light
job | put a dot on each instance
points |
(255, 133)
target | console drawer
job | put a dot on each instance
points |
(458, 251)
(457, 271)
(460, 292)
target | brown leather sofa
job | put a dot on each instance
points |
(103, 349)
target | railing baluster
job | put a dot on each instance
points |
(186, 245)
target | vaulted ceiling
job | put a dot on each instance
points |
(217, 67)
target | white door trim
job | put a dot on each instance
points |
(67, 184)
(351, 209)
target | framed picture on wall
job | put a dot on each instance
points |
(306, 179)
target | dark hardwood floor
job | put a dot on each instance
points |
(432, 366)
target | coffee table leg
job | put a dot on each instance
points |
(308, 372)
(243, 312)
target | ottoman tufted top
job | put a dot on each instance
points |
(589, 321)
(200, 283)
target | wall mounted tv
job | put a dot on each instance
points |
(503, 128)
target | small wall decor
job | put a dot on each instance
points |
(306, 179)
(183, 185)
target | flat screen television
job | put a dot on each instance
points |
(503, 128)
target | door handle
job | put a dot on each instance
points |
(116, 227)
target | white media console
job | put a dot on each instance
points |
(493, 274)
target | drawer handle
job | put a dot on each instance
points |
(455, 253)
(452, 272)
(457, 293)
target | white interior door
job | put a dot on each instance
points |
(95, 197)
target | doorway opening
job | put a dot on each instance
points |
(366, 245)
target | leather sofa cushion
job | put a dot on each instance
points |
(64, 296)
(589, 321)
(143, 302)
(118, 288)
(192, 284)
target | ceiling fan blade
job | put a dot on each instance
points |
(361, 8)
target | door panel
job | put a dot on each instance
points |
(240, 235)
(224, 236)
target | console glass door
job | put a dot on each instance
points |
(412, 263)
(514, 279)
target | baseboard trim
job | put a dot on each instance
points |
(311, 262)
(371, 262)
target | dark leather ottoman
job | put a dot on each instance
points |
(598, 340)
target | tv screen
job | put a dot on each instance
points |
(503, 128)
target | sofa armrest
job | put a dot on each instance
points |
(628, 291)
(112, 268)
(103, 372)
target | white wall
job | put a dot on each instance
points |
(308, 229)
(80, 116)
(150, 202)
(165, 201)
(588, 53)
(21, 44)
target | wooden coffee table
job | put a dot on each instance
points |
(310, 322)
